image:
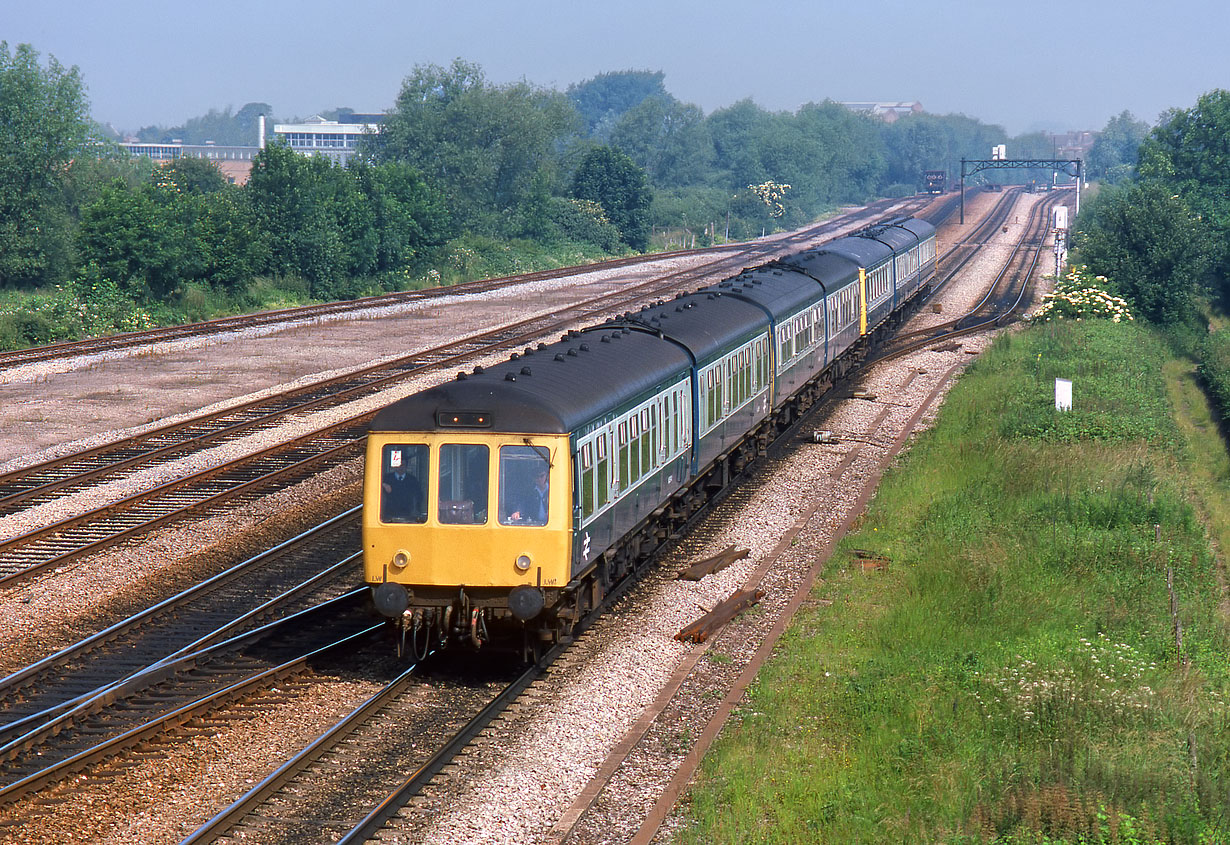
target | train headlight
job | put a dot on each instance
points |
(402, 559)
(524, 563)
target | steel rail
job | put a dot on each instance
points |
(152, 622)
(952, 328)
(59, 770)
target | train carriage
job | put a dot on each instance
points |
(728, 342)
(478, 446)
(838, 278)
(875, 263)
(922, 256)
(795, 304)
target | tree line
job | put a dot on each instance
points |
(1158, 226)
(462, 167)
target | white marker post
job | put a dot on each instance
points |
(1063, 394)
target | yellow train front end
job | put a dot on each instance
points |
(466, 530)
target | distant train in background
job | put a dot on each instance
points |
(513, 498)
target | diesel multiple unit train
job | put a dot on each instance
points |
(517, 496)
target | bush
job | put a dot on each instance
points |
(900, 189)
(88, 307)
(584, 220)
(1214, 369)
(196, 302)
(1081, 296)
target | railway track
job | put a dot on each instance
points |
(625, 760)
(1005, 296)
(210, 490)
(154, 701)
(375, 818)
(318, 564)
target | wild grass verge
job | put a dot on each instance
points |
(92, 309)
(1013, 676)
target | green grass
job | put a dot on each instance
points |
(1012, 676)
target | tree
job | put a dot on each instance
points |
(481, 145)
(408, 218)
(1189, 153)
(1147, 241)
(1114, 153)
(294, 201)
(222, 127)
(133, 240)
(331, 224)
(611, 179)
(606, 98)
(920, 142)
(44, 127)
(737, 132)
(667, 138)
(191, 175)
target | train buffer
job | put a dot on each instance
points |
(704, 627)
(716, 563)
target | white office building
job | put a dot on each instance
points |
(317, 136)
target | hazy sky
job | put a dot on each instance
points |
(1025, 66)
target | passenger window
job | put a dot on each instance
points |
(603, 478)
(403, 484)
(587, 481)
(634, 456)
(625, 467)
(464, 477)
(525, 485)
(604, 483)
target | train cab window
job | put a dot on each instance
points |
(403, 483)
(525, 485)
(464, 477)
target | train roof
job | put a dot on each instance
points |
(921, 228)
(778, 288)
(706, 322)
(863, 251)
(900, 233)
(553, 389)
(898, 239)
(833, 270)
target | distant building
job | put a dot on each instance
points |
(1073, 145)
(316, 136)
(235, 163)
(888, 112)
(329, 138)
